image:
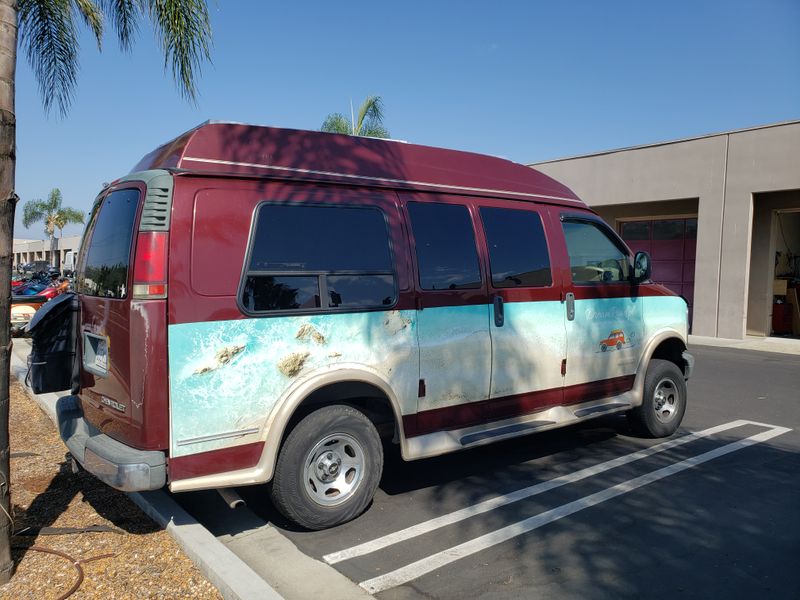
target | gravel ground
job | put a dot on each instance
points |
(133, 557)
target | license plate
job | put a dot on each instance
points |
(101, 355)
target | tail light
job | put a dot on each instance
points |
(150, 265)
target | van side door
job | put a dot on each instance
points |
(605, 324)
(452, 316)
(527, 326)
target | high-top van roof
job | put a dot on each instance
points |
(234, 149)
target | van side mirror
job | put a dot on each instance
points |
(641, 267)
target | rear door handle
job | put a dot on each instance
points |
(499, 315)
(570, 300)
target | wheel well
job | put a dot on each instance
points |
(672, 350)
(367, 398)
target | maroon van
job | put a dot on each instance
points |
(269, 305)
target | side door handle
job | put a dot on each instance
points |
(499, 315)
(570, 300)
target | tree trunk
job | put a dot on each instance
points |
(8, 199)
(54, 258)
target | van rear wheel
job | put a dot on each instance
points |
(664, 403)
(328, 468)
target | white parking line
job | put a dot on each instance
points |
(539, 488)
(440, 559)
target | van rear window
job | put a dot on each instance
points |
(318, 257)
(105, 271)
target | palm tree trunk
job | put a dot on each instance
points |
(8, 199)
(54, 251)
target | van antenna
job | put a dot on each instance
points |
(352, 118)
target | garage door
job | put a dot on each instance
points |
(671, 244)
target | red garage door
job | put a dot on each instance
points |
(671, 244)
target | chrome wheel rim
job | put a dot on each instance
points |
(665, 400)
(334, 469)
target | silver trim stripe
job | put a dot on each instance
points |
(443, 186)
(216, 436)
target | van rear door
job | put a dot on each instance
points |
(119, 334)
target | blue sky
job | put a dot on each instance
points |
(528, 81)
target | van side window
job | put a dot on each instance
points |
(518, 254)
(318, 257)
(105, 271)
(445, 244)
(593, 255)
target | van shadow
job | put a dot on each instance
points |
(496, 468)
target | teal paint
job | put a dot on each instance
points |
(227, 376)
(213, 394)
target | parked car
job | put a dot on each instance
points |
(266, 305)
(35, 266)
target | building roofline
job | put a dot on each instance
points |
(667, 143)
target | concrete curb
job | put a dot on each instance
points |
(234, 579)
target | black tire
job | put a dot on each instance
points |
(619, 345)
(603, 347)
(309, 487)
(664, 402)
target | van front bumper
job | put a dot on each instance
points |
(112, 462)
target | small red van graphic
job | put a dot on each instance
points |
(616, 338)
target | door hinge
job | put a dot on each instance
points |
(421, 392)
(563, 366)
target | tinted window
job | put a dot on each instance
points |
(691, 229)
(105, 272)
(280, 293)
(320, 238)
(635, 230)
(445, 246)
(318, 257)
(671, 229)
(517, 248)
(593, 256)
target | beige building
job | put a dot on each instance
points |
(26, 251)
(720, 215)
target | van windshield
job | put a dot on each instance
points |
(105, 270)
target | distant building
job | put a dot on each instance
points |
(26, 251)
(719, 214)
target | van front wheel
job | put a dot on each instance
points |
(328, 468)
(664, 401)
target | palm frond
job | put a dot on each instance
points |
(124, 14)
(336, 123)
(32, 212)
(48, 35)
(370, 110)
(69, 215)
(93, 17)
(184, 30)
(375, 130)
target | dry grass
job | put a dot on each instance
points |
(146, 562)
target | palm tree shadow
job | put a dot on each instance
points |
(110, 504)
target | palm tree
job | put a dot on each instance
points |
(48, 32)
(368, 124)
(54, 216)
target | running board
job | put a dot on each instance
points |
(530, 426)
(597, 410)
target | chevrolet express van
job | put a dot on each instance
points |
(261, 305)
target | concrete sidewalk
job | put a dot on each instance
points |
(234, 579)
(759, 344)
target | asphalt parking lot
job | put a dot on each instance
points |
(584, 512)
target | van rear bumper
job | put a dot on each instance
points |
(112, 462)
